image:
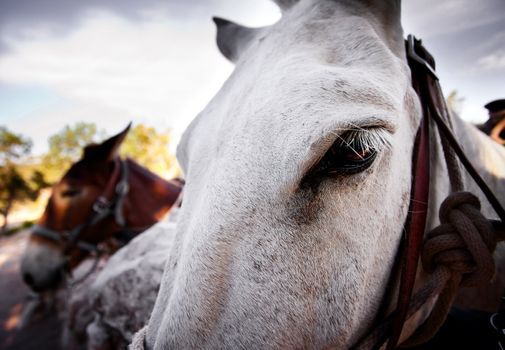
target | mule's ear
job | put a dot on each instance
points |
(232, 38)
(108, 149)
(388, 21)
(285, 4)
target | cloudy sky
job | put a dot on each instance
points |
(155, 61)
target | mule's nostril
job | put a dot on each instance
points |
(28, 279)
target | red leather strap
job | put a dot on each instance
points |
(414, 230)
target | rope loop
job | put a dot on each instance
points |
(464, 241)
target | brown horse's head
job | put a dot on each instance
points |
(97, 198)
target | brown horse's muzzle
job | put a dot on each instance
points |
(42, 266)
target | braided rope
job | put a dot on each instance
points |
(458, 253)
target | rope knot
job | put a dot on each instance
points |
(463, 243)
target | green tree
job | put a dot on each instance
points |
(13, 186)
(150, 149)
(143, 144)
(12, 146)
(38, 180)
(65, 147)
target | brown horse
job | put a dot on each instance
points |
(101, 197)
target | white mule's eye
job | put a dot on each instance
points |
(346, 159)
(353, 152)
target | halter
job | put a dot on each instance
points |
(103, 208)
(460, 215)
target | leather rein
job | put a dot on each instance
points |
(459, 214)
(109, 204)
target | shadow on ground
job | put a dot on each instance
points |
(42, 332)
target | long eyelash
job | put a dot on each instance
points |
(360, 138)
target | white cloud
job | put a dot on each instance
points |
(146, 69)
(154, 71)
(494, 61)
(110, 70)
(490, 42)
(51, 120)
(473, 112)
(431, 18)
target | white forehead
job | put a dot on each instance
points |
(317, 70)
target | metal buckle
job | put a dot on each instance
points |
(498, 329)
(66, 235)
(101, 204)
(411, 53)
(122, 188)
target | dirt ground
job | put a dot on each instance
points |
(42, 332)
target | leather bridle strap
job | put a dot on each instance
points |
(414, 230)
(425, 82)
(459, 251)
(117, 188)
(430, 94)
(56, 236)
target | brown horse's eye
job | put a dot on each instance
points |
(346, 159)
(71, 192)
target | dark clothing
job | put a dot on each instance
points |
(467, 330)
(495, 106)
(495, 125)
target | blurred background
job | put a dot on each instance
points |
(76, 72)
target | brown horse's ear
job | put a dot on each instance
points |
(108, 149)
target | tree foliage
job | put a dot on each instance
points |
(65, 147)
(150, 149)
(144, 144)
(12, 146)
(13, 185)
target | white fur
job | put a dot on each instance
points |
(258, 261)
(112, 304)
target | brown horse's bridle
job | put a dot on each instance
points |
(108, 205)
(415, 244)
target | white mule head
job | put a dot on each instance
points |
(298, 184)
